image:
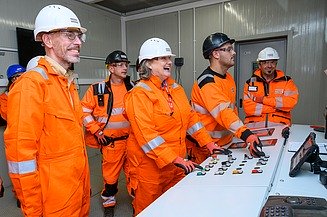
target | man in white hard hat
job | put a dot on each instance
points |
(269, 95)
(44, 139)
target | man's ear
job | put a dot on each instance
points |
(215, 54)
(46, 40)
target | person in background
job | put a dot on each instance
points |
(269, 95)
(106, 126)
(160, 115)
(44, 138)
(13, 72)
(213, 98)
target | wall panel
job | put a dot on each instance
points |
(252, 18)
(103, 36)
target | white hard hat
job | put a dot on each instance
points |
(154, 47)
(33, 63)
(53, 17)
(268, 53)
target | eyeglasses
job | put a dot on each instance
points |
(71, 35)
(226, 49)
(126, 64)
(267, 62)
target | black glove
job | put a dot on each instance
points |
(256, 149)
(187, 165)
(101, 138)
(224, 151)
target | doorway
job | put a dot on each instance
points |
(246, 61)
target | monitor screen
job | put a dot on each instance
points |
(301, 155)
(27, 46)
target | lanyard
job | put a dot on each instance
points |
(170, 99)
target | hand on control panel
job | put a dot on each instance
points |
(215, 149)
(255, 146)
(187, 165)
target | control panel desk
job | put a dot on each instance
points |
(228, 195)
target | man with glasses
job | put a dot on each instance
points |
(269, 95)
(106, 126)
(44, 139)
(213, 98)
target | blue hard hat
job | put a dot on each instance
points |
(14, 69)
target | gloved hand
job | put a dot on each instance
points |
(254, 145)
(101, 138)
(215, 149)
(2, 189)
(187, 165)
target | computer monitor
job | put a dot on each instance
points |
(307, 149)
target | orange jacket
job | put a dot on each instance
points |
(160, 134)
(3, 105)
(279, 97)
(96, 116)
(213, 98)
(45, 147)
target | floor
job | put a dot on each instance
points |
(123, 207)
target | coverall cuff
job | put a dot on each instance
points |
(94, 129)
(164, 159)
(246, 133)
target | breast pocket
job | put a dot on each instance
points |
(61, 131)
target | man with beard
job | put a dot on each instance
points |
(213, 98)
(269, 95)
(106, 126)
(44, 139)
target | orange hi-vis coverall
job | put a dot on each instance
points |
(96, 118)
(3, 105)
(213, 98)
(158, 138)
(280, 96)
(44, 141)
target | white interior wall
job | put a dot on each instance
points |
(306, 19)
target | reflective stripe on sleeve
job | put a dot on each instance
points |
(204, 77)
(199, 109)
(143, 85)
(87, 120)
(117, 111)
(193, 129)
(87, 110)
(152, 144)
(235, 125)
(290, 92)
(245, 97)
(258, 109)
(215, 112)
(22, 167)
(102, 119)
(279, 102)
